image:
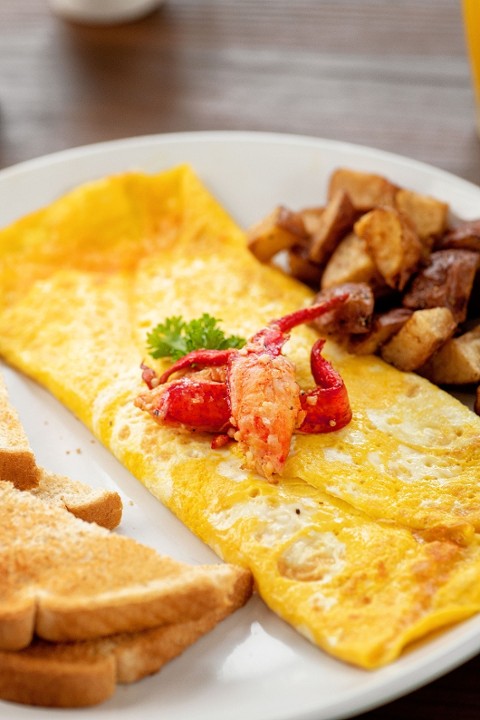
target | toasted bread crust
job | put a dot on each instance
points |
(84, 582)
(43, 675)
(17, 623)
(188, 595)
(100, 506)
(17, 461)
(105, 510)
(18, 466)
(85, 673)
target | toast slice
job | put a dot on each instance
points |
(85, 673)
(18, 466)
(98, 505)
(17, 461)
(63, 579)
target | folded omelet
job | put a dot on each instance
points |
(370, 539)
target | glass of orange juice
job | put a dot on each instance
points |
(471, 17)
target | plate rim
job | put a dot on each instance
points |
(258, 136)
(457, 655)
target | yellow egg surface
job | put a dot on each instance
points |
(370, 539)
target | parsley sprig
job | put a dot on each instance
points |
(175, 338)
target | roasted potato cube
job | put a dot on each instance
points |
(333, 224)
(278, 231)
(353, 316)
(311, 218)
(301, 267)
(446, 282)
(393, 244)
(429, 216)
(350, 262)
(366, 190)
(457, 362)
(383, 327)
(466, 236)
(422, 335)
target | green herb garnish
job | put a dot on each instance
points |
(175, 338)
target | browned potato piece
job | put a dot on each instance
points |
(393, 244)
(333, 224)
(429, 216)
(383, 327)
(366, 190)
(422, 335)
(311, 218)
(457, 362)
(353, 316)
(389, 247)
(350, 262)
(278, 231)
(301, 267)
(465, 236)
(446, 282)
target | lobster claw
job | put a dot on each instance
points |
(327, 406)
(202, 406)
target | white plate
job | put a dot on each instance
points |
(253, 665)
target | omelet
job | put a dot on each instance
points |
(370, 538)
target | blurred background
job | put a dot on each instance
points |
(392, 74)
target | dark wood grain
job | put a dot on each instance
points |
(391, 74)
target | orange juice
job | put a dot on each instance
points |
(471, 16)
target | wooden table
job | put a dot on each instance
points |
(384, 73)
(392, 75)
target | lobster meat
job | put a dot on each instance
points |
(251, 395)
